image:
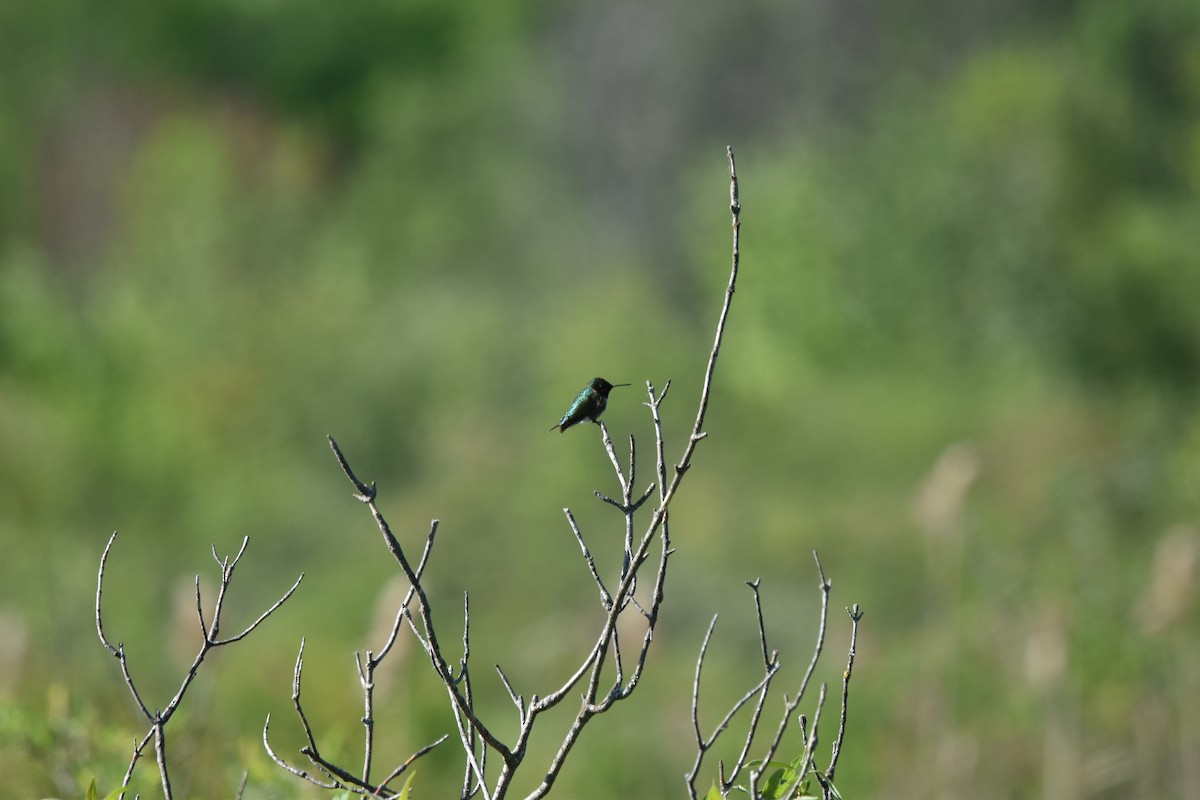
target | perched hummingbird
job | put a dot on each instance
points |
(590, 404)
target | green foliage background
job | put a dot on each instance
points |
(229, 228)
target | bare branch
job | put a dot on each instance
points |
(855, 616)
(299, 668)
(614, 503)
(762, 629)
(771, 665)
(99, 590)
(401, 613)
(119, 650)
(701, 746)
(262, 616)
(160, 752)
(605, 597)
(368, 495)
(159, 719)
(336, 777)
(811, 747)
(651, 614)
(735, 210)
(138, 749)
(366, 677)
(471, 739)
(137, 698)
(791, 705)
(295, 771)
(518, 701)
(365, 493)
(200, 611)
(408, 762)
(612, 456)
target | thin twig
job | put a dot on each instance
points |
(464, 676)
(336, 777)
(737, 706)
(771, 664)
(200, 611)
(160, 752)
(605, 597)
(366, 678)
(811, 747)
(408, 762)
(791, 705)
(262, 616)
(118, 651)
(658, 595)
(138, 749)
(296, 672)
(622, 481)
(855, 616)
(758, 613)
(701, 747)
(400, 613)
(518, 701)
(294, 770)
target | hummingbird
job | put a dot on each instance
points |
(590, 404)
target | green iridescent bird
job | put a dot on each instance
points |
(590, 404)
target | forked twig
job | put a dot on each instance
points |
(771, 665)
(210, 632)
(789, 706)
(795, 771)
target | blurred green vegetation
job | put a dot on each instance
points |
(970, 240)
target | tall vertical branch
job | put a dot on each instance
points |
(735, 210)
(592, 703)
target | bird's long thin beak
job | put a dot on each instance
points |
(615, 385)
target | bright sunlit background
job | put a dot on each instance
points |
(962, 363)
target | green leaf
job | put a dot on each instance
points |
(779, 783)
(714, 793)
(804, 793)
(407, 785)
(92, 793)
